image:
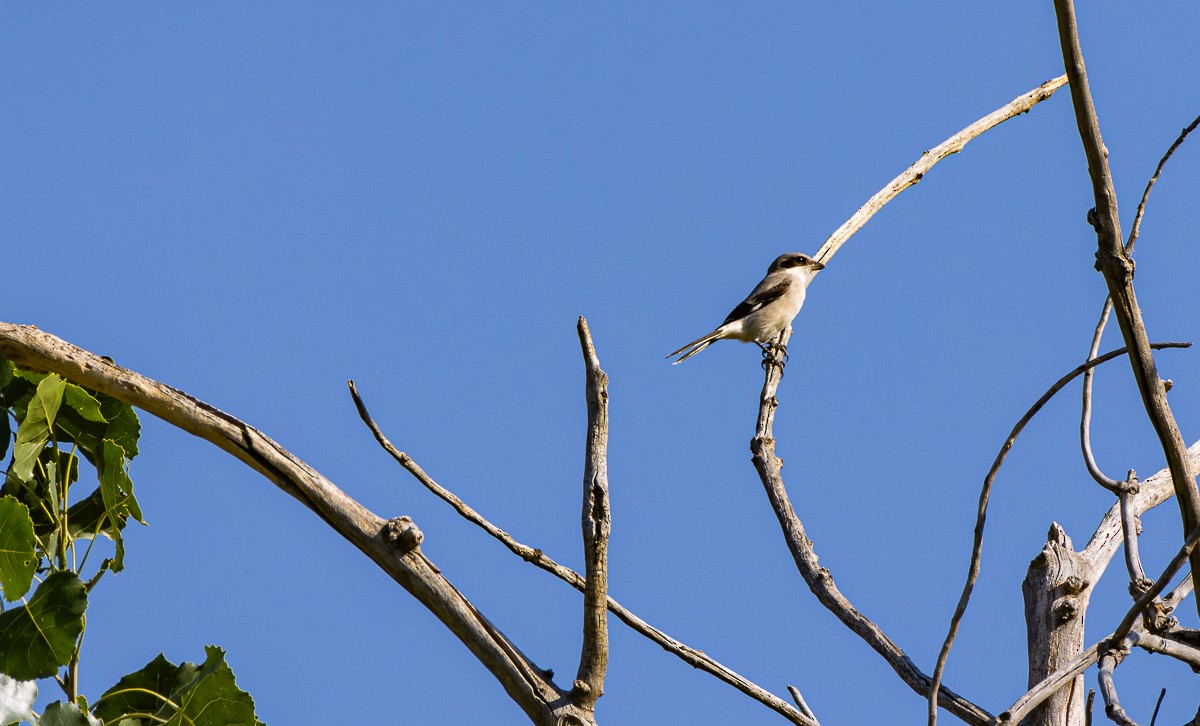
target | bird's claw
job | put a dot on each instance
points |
(769, 350)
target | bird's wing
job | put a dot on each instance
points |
(759, 298)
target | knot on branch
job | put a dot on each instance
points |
(1066, 610)
(1073, 585)
(1116, 265)
(402, 534)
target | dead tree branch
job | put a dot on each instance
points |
(692, 656)
(913, 174)
(597, 525)
(394, 544)
(1108, 689)
(1117, 268)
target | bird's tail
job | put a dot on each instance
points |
(696, 346)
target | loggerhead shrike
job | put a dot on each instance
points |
(768, 310)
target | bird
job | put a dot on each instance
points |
(767, 311)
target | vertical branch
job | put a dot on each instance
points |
(1113, 262)
(597, 525)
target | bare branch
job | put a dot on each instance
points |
(693, 657)
(1165, 646)
(985, 495)
(1117, 268)
(802, 704)
(1130, 527)
(394, 544)
(1108, 689)
(819, 579)
(913, 174)
(597, 525)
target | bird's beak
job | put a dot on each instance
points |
(817, 265)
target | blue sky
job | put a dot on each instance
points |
(255, 203)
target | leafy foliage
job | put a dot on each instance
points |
(36, 639)
(60, 425)
(18, 561)
(163, 692)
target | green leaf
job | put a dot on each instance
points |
(83, 403)
(6, 374)
(187, 694)
(66, 714)
(18, 560)
(37, 638)
(115, 485)
(123, 425)
(160, 677)
(16, 700)
(88, 518)
(213, 698)
(34, 431)
(38, 494)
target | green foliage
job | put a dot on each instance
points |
(164, 693)
(43, 517)
(38, 638)
(18, 561)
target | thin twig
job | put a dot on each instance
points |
(692, 656)
(1087, 712)
(1163, 692)
(597, 525)
(985, 495)
(1137, 218)
(913, 174)
(1117, 268)
(802, 704)
(1085, 419)
(818, 578)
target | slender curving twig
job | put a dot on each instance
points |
(694, 657)
(818, 578)
(1141, 210)
(913, 174)
(1085, 419)
(985, 495)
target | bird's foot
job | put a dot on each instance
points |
(773, 353)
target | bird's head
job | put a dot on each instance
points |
(796, 261)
